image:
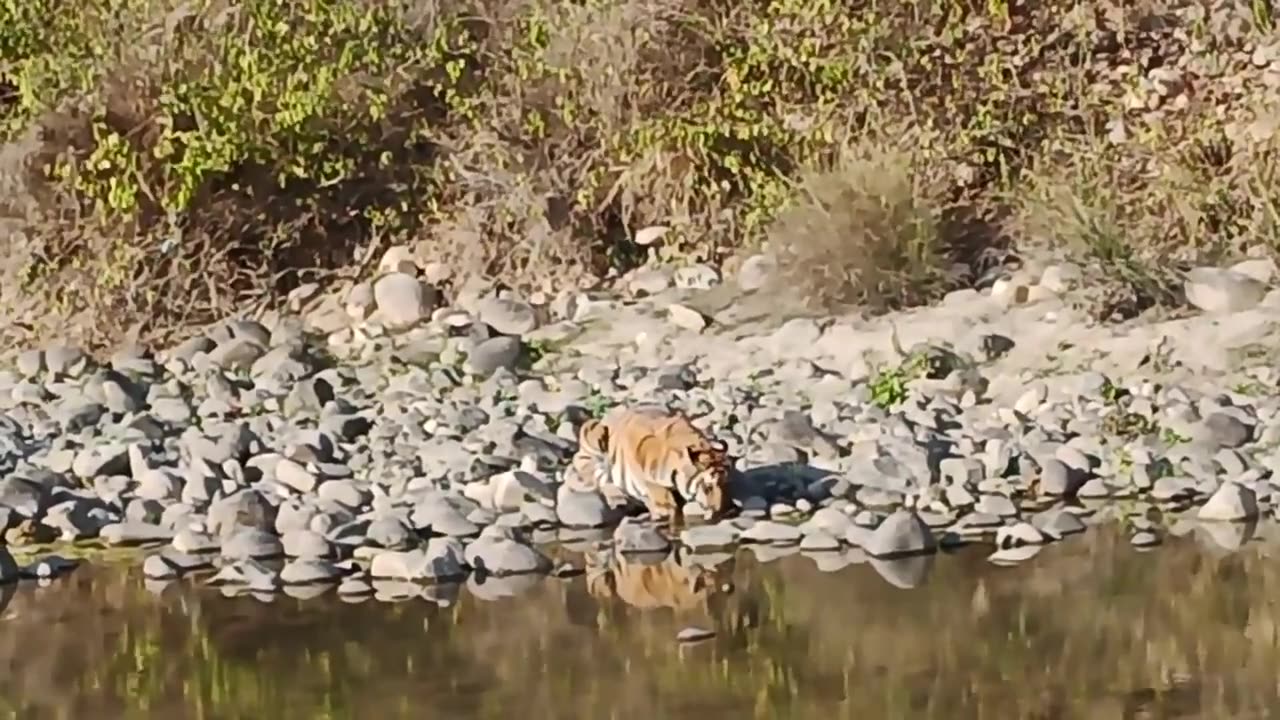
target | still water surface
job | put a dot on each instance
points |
(1089, 628)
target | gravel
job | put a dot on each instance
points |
(425, 445)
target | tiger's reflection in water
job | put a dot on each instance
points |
(675, 581)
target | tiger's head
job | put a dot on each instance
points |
(710, 483)
(590, 460)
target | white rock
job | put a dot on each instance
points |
(710, 537)
(1215, 290)
(902, 533)
(819, 541)
(768, 531)
(307, 571)
(1231, 502)
(402, 300)
(1061, 277)
(500, 556)
(754, 272)
(398, 259)
(650, 235)
(1019, 534)
(686, 317)
(1261, 269)
(359, 303)
(1014, 555)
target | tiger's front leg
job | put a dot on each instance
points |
(664, 505)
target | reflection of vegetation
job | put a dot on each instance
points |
(1087, 629)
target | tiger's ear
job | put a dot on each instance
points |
(713, 449)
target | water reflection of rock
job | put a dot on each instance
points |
(905, 573)
(1088, 628)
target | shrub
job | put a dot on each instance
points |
(865, 231)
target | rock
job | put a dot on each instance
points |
(768, 531)
(398, 259)
(1019, 534)
(305, 543)
(1058, 523)
(294, 475)
(251, 544)
(236, 354)
(696, 277)
(309, 571)
(1014, 554)
(134, 533)
(387, 531)
(496, 553)
(1144, 539)
(705, 538)
(508, 317)
(1227, 430)
(694, 634)
(1231, 502)
(1061, 277)
(819, 541)
(1057, 479)
(1215, 290)
(353, 586)
(30, 363)
(360, 302)
(494, 354)
(170, 564)
(442, 560)
(829, 521)
(648, 281)
(248, 574)
(683, 316)
(901, 534)
(63, 360)
(402, 300)
(154, 567)
(583, 509)
(439, 517)
(754, 272)
(633, 536)
(194, 542)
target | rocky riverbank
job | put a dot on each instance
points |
(390, 441)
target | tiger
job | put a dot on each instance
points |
(671, 583)
(656, 456)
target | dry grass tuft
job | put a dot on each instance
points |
(863, 231)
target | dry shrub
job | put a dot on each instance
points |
(863, 231)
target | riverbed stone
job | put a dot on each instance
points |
(901, 534)
(1231, 502)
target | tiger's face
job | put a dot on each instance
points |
(710, 483)
(589, 461)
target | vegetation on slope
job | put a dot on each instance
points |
(219, 152)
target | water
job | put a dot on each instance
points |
(1089, 628)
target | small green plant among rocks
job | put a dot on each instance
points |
(890, 385)
(596, 404)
